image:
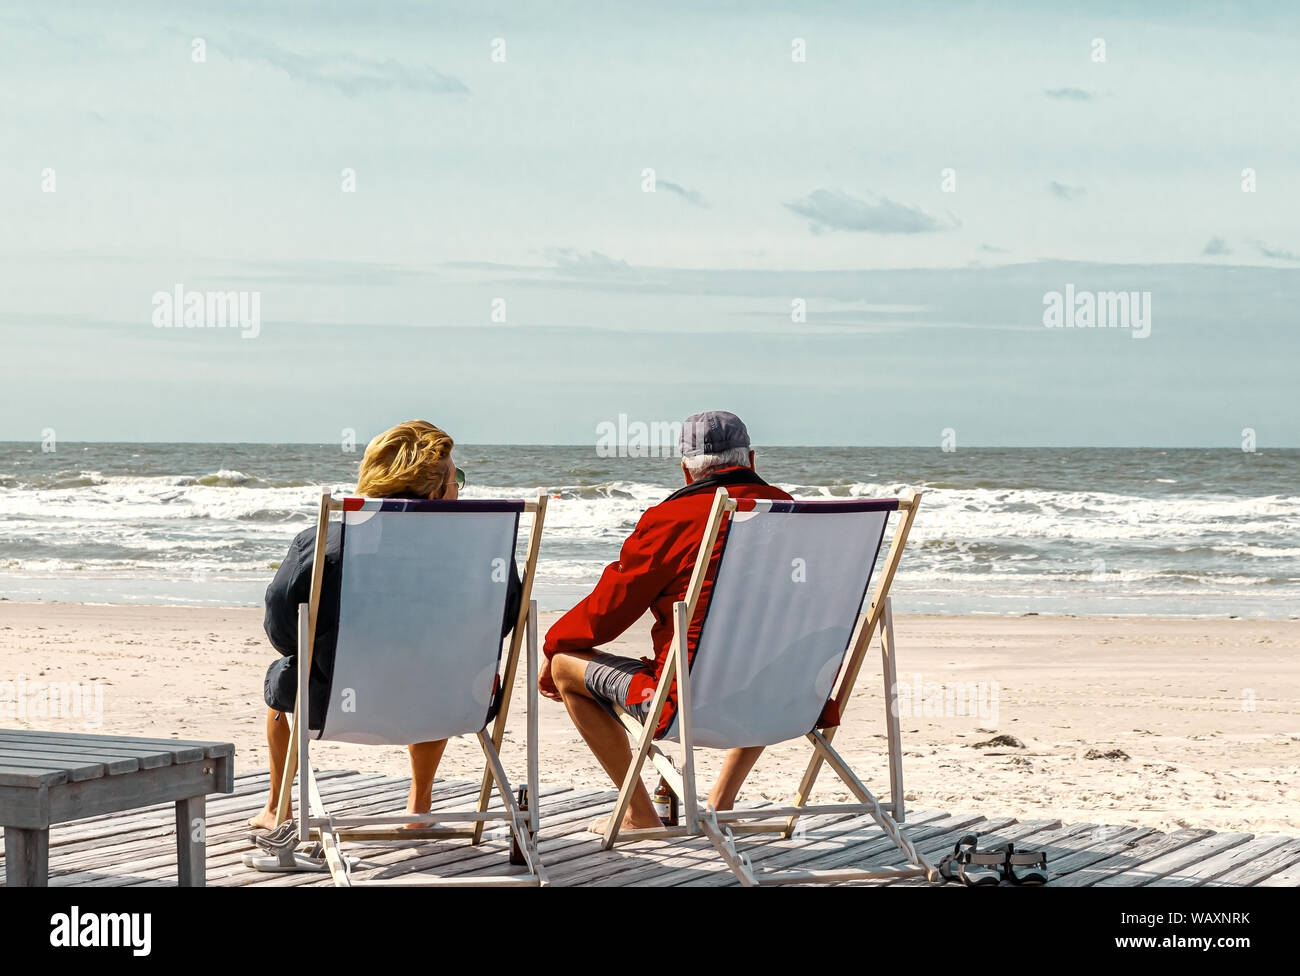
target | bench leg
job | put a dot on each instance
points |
(191, 842)
(27, 857)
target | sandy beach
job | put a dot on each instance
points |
(1156, 721)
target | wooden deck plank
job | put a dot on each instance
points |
(104, 839)
(1090, 847)
(818, 841)
(231, 871)
(26, 774)
(226, 824)
(111, 764)
(568, 816)
(447, 858)
(1265, 867)
(460, 796)
(1131, 856)
(564, 836)
(656, 861)
(821, 837)
(149, 851)
(1207, 869)
(1152, 870)
(228, 846)
(702, 864)
(137, 848)
(225, 864)
(150, 756)
(77, 833)
(868, 849)
(208, 750)
(1288, 877)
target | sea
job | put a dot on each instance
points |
(1085, 531)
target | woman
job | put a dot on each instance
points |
(412, 460)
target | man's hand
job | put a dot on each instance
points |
(545, 684)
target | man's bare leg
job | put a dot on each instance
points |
(277, 742)
(735, 767)
(604, 735)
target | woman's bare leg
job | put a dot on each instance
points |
(425, 757)
(277, 743)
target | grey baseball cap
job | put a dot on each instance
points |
(712, 432)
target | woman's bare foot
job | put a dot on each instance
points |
(266, 820)
(412, 808)
(426, 825)
(601, 825)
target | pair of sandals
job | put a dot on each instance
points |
(282, 851)
(987, 869)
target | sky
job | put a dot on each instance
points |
(519, 221)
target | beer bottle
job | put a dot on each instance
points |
(665, 803)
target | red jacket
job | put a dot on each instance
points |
(652, 573)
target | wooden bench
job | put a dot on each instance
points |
(52, 777)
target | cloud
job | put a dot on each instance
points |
(592, 262)
(993, 249)
(346, 73)
(1276, 253)
(1069, 94)
(1216, 245)
(836, 210)
(1065, 191)
(690, 196)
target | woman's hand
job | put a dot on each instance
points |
(545, 684)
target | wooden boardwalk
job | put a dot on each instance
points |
(138, 848)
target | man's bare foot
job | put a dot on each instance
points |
(601, 825)
(266, 820)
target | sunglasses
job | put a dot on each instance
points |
(460, 479)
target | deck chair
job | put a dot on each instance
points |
(418, 658)
(783, 622)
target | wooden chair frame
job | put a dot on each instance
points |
(332, 831)
(720, 827)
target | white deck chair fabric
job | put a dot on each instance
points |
(785, 600)
(423, 593)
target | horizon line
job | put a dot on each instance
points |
(756, 449)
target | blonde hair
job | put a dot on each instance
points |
(409, 459)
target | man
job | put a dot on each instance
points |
(652, 573)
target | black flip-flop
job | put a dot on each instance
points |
(973, 868)
(1025, 867)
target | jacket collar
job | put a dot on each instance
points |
(721, 478)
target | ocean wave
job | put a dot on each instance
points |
(1003, 518)
(235, 521)
(226, 479)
